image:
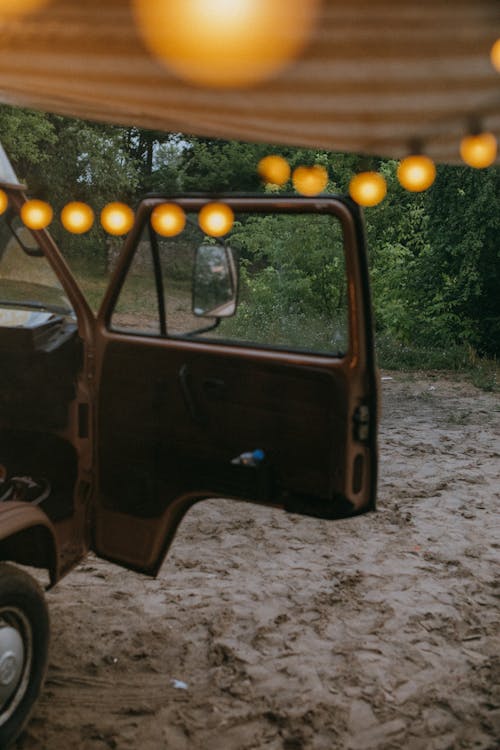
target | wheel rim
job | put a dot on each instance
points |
(16, 658)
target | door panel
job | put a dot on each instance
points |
(294, 413)
(174, 413)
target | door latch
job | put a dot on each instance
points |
(362, 423)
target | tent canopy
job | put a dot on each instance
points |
(376, 76)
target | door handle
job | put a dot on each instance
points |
(187, 393)
(214, 387)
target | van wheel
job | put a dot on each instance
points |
(24, 643)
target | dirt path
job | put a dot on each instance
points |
(266, 630)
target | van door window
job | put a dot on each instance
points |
(293, 285)
(137, 308)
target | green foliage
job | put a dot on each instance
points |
(214, 166)
(302, 260)
(292, 282)
(63, 159)
(27, 137)
(435, 262)
(485, 374)
(464, 225)
(393, 355)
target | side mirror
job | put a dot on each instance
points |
(24, 237)
(215, 282)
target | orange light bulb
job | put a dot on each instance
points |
(168, 219)
(216, 219)
(416, 173)
(226, 43)
(4, 201)
(310, 180)
(77, 217)
(368, 188)
(117, 218)
(36, 214)
(274, 169)
(495, 55)
(480, 150)
(13, 8)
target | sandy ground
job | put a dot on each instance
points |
(266, 630)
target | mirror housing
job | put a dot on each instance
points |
(215, 282)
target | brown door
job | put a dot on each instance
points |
(288, 381)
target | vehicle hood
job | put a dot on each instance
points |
(23, 318)
(22, 296)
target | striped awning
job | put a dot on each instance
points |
(376, 76)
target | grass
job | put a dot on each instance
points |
(395, 356)
(481, 372)
(486, 375)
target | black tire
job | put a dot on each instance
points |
(24, 645)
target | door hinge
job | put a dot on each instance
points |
(361, 420)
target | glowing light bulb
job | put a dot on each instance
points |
(4, 201)
(168, 219)
(368, 188)
(77, 217)
(479, 150)
(274, 169)
(13, 8)
(310, 180)
(216, 219)
(36, 214)
(117, 218)
(226, 43)
(416, 173)
(495, 55)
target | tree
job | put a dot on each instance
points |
(463, 265)
(27, 137)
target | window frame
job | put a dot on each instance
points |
(333, 205)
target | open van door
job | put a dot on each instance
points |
(275, 404)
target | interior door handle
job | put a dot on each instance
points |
(214, 387)
(187, 393)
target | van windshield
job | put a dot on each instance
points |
(27, 281)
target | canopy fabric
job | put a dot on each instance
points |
(376, 76)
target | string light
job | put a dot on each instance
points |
(274, 169)
(495, 55)
(310, 180)
(479, 150)
(13, 8)
(77, 217)
(226, 43)
(4, 201)
(416, 173)
(168, 219)
(117, 218)
(216, 219)
(36, 214)
(368, 188)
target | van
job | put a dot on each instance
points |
(215, 366)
